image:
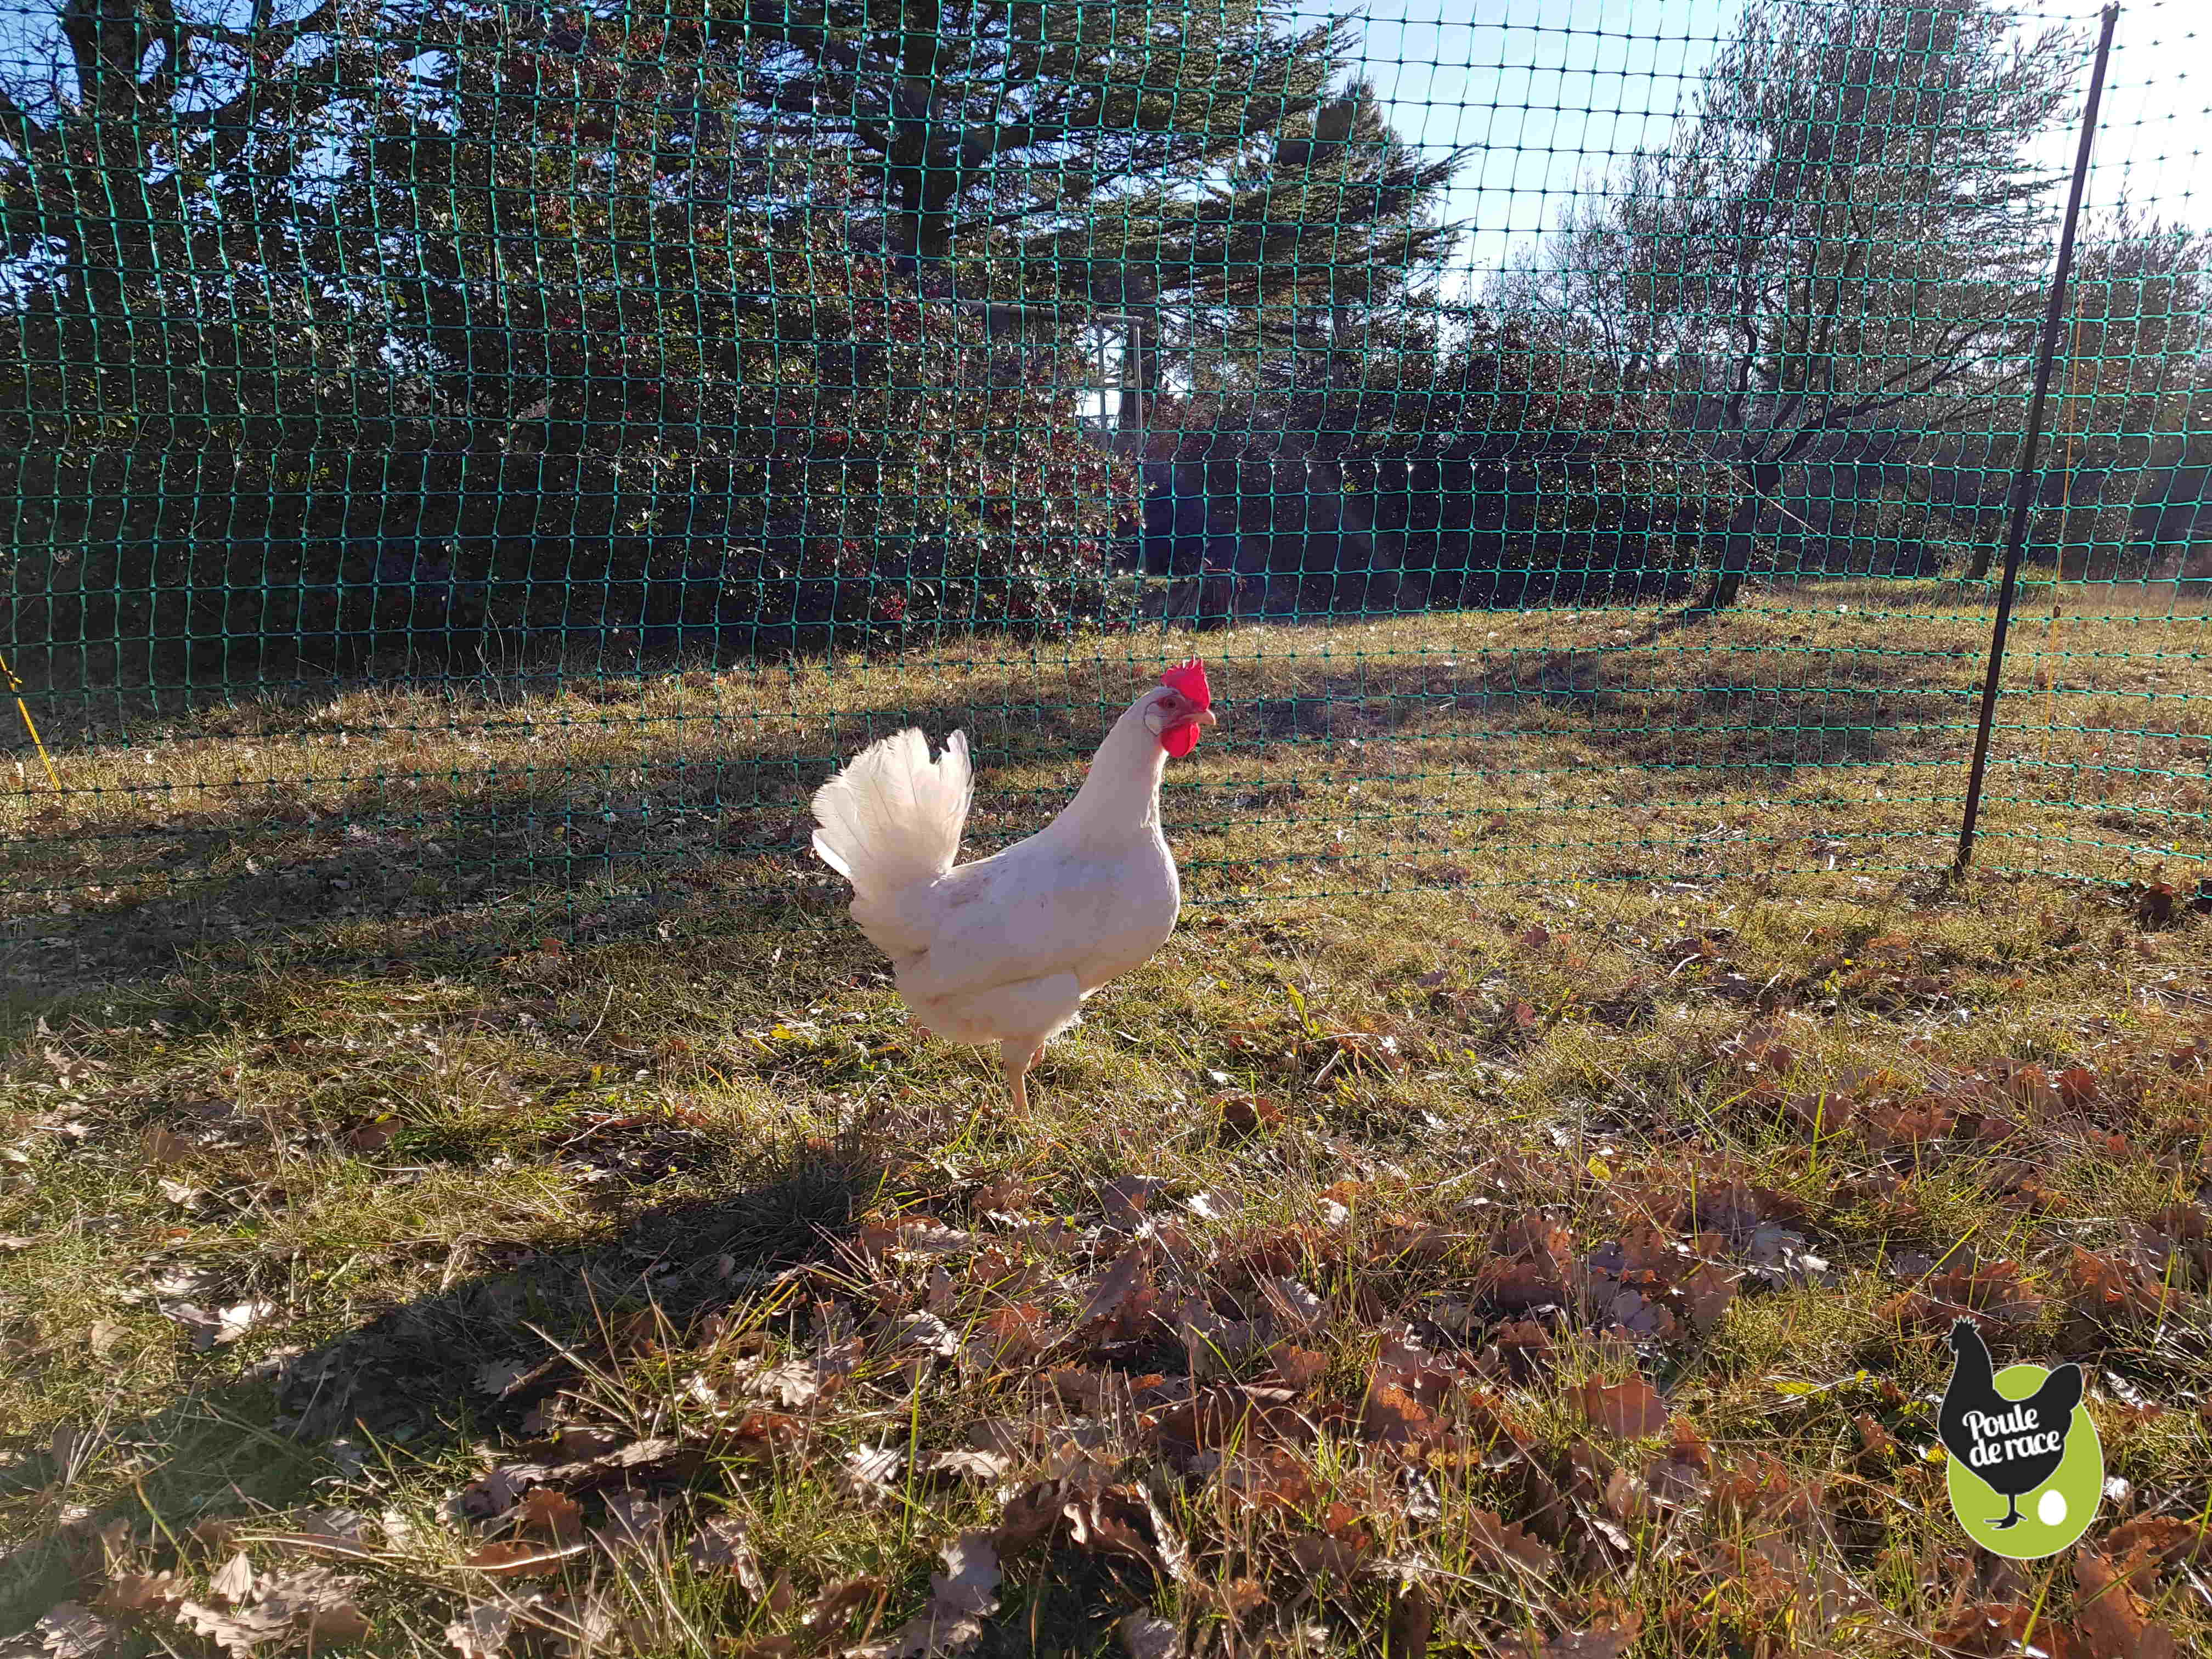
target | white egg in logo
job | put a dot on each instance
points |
(2051, 1507)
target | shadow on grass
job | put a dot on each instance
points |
(442, 863)
(411, 1383)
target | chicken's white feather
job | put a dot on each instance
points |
(892, 820)
(1004, 950)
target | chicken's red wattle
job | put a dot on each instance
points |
(1190, 680)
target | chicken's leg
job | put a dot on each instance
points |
(1018, 1058)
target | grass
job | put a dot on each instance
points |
(1524, 1203)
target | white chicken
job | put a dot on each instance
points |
(1005, 949)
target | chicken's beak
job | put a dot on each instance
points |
(1208, 717)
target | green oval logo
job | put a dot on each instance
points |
(2025, 1471)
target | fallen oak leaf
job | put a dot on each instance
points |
(238, 1632)
(1096, 1525)
(1221, 1415)
(1873, 1439)
(1117, 1286)
(1519, 1287)
(834, 1607)
(1707, 1292)
(970, 1580)
(482, 1632)
(139, 1592)
(2155, 904)
(232, 1585)
(339, 1627)
(723, 1544)
(498, 1491)
(164, 1145)
(1234, 1599)
(215, 1532)
(797, 1381)
(1404, 1364)
(1030, 1517)
(1627, 1410)
(1125, 1198)
(927, 1331)
(758, 1432)
(658, 1458)
(1293, 1304)
(1609, 1641)
(960, 1598)
(1269, 1477)
(968, 1465)
(1395, 1418)
(2110, 1615)
(1339, 1550)
(1989, 1629)
(317, 1602)
(222, 1327)
(633, 1521)
(1412, 1621)
(1175, 1553)
(2105, 1288)
(1520, 1349)
(312, 1543)
(1992, 1287)
(1507, 1546)
(1297, 1368)
(1244, 1115)
(549, 1512)
(870, 1473)
(2164, 1539)
(69, 1631)
(497, 1377)
(575, 1628)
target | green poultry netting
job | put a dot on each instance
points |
(474, 460)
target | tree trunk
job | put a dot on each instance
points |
(1739, 540)
(922, 191)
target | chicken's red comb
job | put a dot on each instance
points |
(1190, 680)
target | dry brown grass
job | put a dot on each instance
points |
(1470, 749)
(488, 1066)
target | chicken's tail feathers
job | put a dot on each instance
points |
(892, 817)
(2069, 1384)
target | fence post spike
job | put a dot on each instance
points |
(2023, 480)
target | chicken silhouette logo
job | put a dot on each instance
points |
(2018, 1436)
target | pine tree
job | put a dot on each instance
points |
(1183, 163)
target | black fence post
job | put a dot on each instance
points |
(2024, 477)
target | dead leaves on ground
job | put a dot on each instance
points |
(2115, 1580)
(1169, 1376)
(960, 1599)
(1260, 1421)
(242, 1612)
(1163, 1379)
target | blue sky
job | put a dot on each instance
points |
(1547, 92)
(1551, 91)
